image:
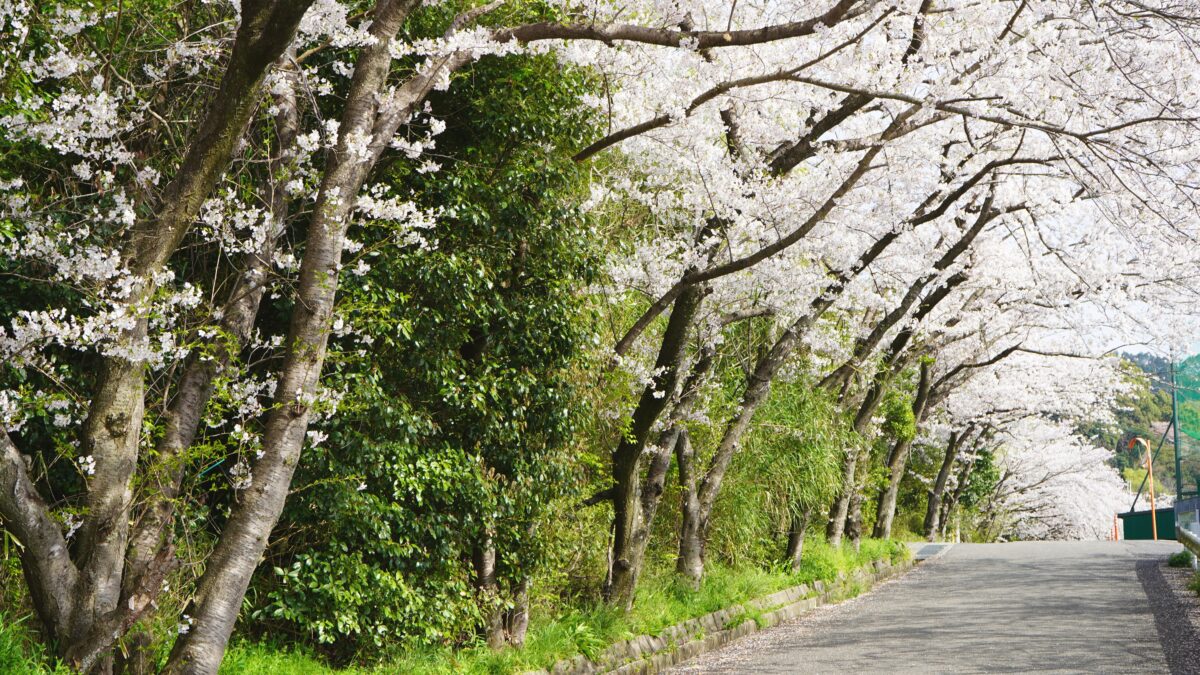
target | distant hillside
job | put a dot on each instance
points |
(1157, 368)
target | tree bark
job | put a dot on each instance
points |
(854, 521)
(689, 563)
(759, 383)
(893, 364)
(700, 39)
(516, 620)
(165, 473)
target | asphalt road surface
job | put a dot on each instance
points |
(1077, 607)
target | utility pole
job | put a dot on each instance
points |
(1150, 478)
(1175, 431)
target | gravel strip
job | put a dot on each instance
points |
(1176, 613)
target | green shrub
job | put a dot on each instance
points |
(1180, 559)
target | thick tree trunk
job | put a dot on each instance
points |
(885, 511)
(794, 554)
(933, 507)
(104, 600)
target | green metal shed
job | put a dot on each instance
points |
(1136, 524)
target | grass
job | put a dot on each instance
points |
(20, 651)
(661, 602)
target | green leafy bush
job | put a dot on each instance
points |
(1180, 559)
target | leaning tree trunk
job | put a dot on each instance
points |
(839, 511)
(885, 511)
(759, 382)
(758, 386)
(794, 554)
(892, 363)
(933, 508)
(371, 114)
(631, 529)
(964, 475)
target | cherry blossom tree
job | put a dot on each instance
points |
(909, 190)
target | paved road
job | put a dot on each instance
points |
(1079, 607)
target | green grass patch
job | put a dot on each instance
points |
(1194, 584)
(21, 653)
(558, 633)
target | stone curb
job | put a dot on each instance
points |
(651, 654)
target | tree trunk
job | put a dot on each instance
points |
(227, 574)
(689, 563)
(964, 475)
(854, 522)
(483, 559)
(898, 459)
(631, 527)
(104, 600)
(885, 510)
(794, 554)
(840, 508)
(893, 364)
(516, 620)
(933, 508)
(758, 385)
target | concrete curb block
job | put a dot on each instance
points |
(681, 642)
